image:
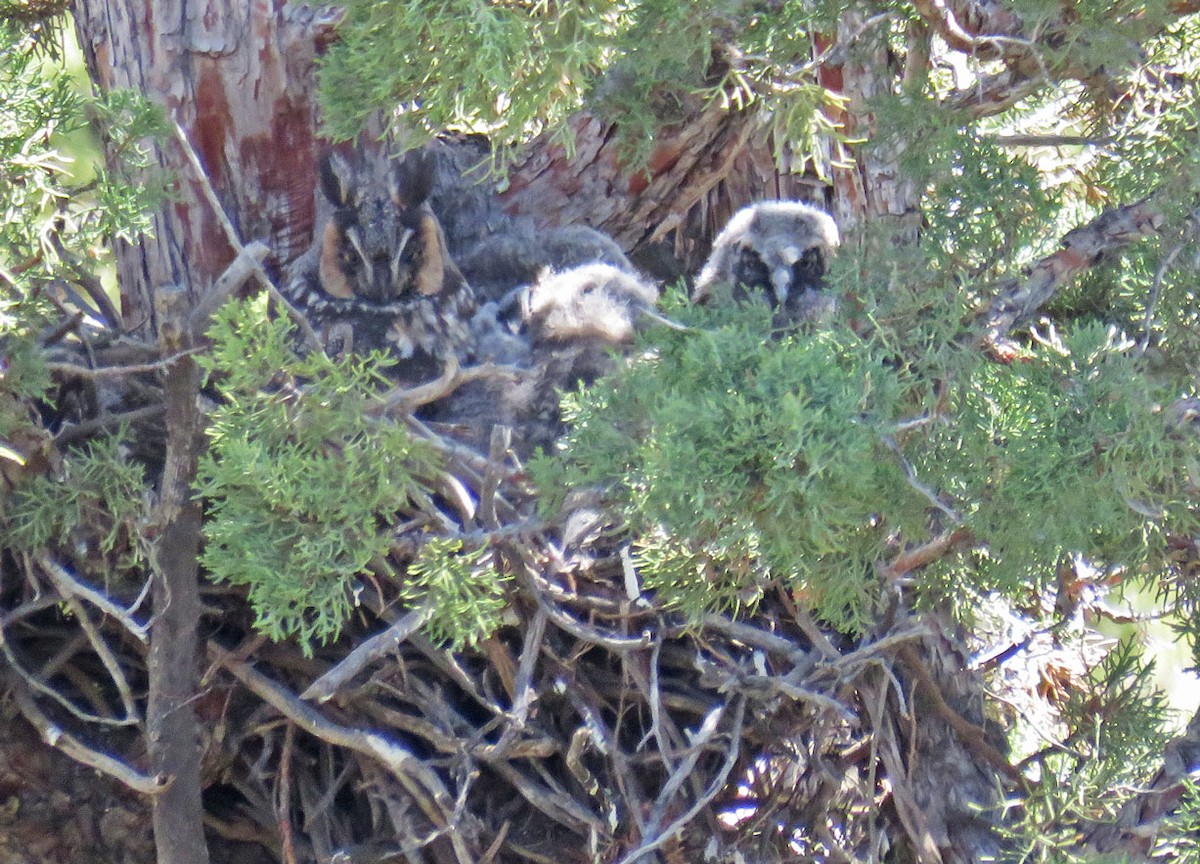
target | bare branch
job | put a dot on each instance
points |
(88, 428)
(1159, 274)
(59, 738)
(1018, 301)
(367, 652)
(88, 281)
(72, 591)
(943, 20)
(72, 586)
(971, 735)
(920, 556)
(499, 443)
(580, 630)
(420, 780)
(524, 695)
(1048, 140)
(453, 377)
(249, 260)
(210, 195)
(993, 94)
(557, 805)
(714, 788)
(910, 474)
(87, 373)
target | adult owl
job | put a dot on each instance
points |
(379, 275)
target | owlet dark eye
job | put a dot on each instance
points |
(749, 271)
(810, 268)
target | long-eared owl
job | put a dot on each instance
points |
(379, 275)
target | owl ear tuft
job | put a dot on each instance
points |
(339, 182)
(411, 180)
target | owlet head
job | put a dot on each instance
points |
(777, 250)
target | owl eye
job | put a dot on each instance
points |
(750, 271)
(349, 250)
(810, 268)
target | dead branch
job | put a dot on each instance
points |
(71, 592)
(73, 370)
(943, 20)
(248, 262)
(970, 734)
(993, 94)
(1134, 832)
(760, 638)
(672, 830)
(420, 781)
(70, 585)
(34, 683)
(910, 474)
(923, 555)
(90, 428)
(55, 736)
(912, 818)
(214, 203)
(557, 805)
(367, 652)
(582, 631)
(499, 443)
(407, 400)
(523, 693)
(88, 281)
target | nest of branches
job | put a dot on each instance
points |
(593, 725)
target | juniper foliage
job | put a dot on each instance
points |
(743, 462)
(513, 70)
(302, 476)
(58, 211)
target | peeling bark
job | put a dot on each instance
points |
(699, 174)
(871, 189)
(1018, 300)
(239, 80)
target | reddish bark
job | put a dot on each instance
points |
(699, 173)
(1018, 301)
(871, 187)
(239, 81)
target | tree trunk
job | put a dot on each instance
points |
(172, 729)
(239, 83)
(699, 174)
(869, 188)
(238, 80)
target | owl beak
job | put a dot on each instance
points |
(781, 278)
(381, 278)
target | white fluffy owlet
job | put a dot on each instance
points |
(777, 251)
